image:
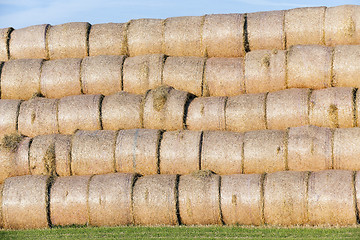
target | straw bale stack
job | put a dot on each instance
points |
(29, 42)
(63, 147)
(9, 110)
(345, 71)
(110, 199)
(4, 43)
(21, 159)
(42, 155)
(346, 151)
(145, 36)
(20, 79)
(107, 39)
(61, 78)
(155, 200)
(69, 40)
(180, 152)
(222, 35)
(137, 151)
(25, 201)
(246, 112)
(265, 71)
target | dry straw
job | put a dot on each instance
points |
(24, 203)
(9, 109)
(63, 155)
(69, 40)
(4, 40)
(222, 35)
(20, 79)
(357, 190)
(21, 159)
(107, 39)
(7, 154)
(265, 71)
(155, 200)
(110, 197)
(1, 214)
(346, 151)
(61, 78)
(29, 42)
(345, 72)
(42, 155)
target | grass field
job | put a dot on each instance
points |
(210, 232)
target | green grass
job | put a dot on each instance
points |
(182, 232)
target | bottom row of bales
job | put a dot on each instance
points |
(201, 198)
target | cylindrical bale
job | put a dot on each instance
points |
(137, 151)
(206, 113)
(102, 74)
(1, 214)
(29, 42)
(21, 159)
(185, 73)
(142, 73)
(145, 36)
(265, 30)
(305, 26)
(309, 66)
(42, 155)
(183, 36)
(332, 107)
(346, 151)
(309, 148)
(155, 200)
(38, 116)
(93, 152)
(241, 199)
(287, 108)
(79, 112)
(224, 77)
(110, 199)
(199, 199)
(345, 72)
(341, 25)
(357, 190)
(221, 152)
(265, 71)
(4, 41)
(246, 112)
(63, 155)
(61, 78)
(20, 79)
(223, 35)
(331, 199)
(107, 39)
(7, 154)
(285, 198)
(25, 201)
(68, 201)
(264, 151)
(122, 110)
(9, 110)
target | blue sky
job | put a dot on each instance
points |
(23, 13)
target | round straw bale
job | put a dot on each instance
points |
(345, 72)
(155, 200)
(110, 198)
(79, 112)
(222, 35)
(221, 152)
(29, 42)
(357, 108)
(145, 36)
(332, 107)
(4, 43)
(331, 198)
(341, 25)
(69, 40)
(9, 110)
(25, 201)
(137, 151)
(121, 110)
(61, 78)
(264, 151)
(265, 71)
(107, 39)
(93, 152)
(21, 159)
(206, 113)
(1, 214)
(20, 79)
(287, 108)
(357, 190)
(68, 200)
(246, 112)
(63, 155)
(309, 148)
(305, 26)
(265, 30)
(38, 116)
(183, 36)
(42, 155)
(309, 66)
(7, 154)
(346, 150)
(199, 198)
(142, 73)
(224, 77)
(285, 198)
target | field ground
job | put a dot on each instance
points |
(182, 232)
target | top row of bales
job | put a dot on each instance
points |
(216, 35)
